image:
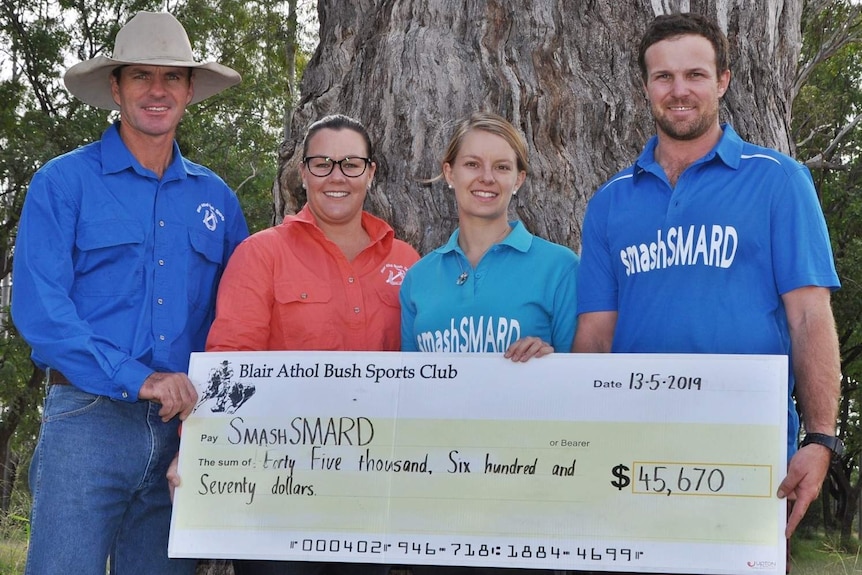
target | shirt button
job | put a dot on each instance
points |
(125, 394)
(161, 262)
(356, 310)
(161, 301)
(161, 223)
(161, 338)
(303, 296)
(350, 280)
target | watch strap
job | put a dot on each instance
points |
(832, 442)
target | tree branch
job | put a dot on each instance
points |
(247, 179)
(821, 159)
(849, 31)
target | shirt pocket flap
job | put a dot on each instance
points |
(388, 294)
(110, 233)
(302, 292)
(211, 248)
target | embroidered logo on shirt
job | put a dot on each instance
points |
(395, 273)
(211, 216)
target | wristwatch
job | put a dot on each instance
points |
(830, 441)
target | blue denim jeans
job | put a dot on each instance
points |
(99, 488)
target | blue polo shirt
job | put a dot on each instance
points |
(116, 270)
(523, 286)
(701, 267)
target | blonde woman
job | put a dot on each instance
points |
(493, 287)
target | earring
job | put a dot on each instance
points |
(515, 192)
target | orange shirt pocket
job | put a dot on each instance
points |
(307, 315)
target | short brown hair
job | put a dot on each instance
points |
(683, 24)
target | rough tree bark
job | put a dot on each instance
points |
(564, 72)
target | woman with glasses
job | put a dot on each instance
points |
(493, 287)
(326, 278)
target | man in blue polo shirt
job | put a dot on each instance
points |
(120, 247)
(709, 244)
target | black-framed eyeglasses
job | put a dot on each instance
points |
(322, 166)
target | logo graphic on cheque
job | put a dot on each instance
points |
(228, 394)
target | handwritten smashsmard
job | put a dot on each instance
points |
(302, 431)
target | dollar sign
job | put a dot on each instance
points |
(622, 480)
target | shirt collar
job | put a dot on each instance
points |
(376, 228)
(728, 150)
(116, 157)
(519, 239)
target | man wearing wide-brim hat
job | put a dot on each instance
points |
(119, 250)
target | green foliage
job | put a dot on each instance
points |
(16, 371)
(824, 113)
(830, 100)
(238, 132)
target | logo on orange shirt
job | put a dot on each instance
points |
(395, 273)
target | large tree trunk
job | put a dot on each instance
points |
(565, 73)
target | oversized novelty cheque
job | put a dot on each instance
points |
(611, 462)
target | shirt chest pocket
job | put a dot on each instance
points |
(308, 314)
(109, 258)
(203, 268)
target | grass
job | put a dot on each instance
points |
(820, 556)
(13, 543)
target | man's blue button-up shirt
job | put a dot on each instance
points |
(116, 270)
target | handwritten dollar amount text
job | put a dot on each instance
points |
(693, 479)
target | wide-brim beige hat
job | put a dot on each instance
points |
(151, 39)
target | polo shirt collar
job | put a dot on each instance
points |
(728, 150)
(519, 239)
